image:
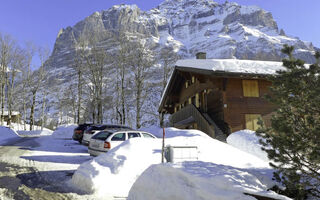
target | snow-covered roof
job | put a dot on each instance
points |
(233, 65)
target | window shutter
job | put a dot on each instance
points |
(250, 88)
(252, 121)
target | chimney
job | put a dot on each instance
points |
(201, 55)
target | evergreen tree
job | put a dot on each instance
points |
(293, 140)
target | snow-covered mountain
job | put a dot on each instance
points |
(226, 30)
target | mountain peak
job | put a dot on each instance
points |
(125, 6)
(226, 30)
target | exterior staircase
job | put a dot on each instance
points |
(191, 114)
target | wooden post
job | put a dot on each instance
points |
(162, 152)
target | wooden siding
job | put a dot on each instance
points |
(237, 105)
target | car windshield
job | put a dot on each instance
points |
(103, 135)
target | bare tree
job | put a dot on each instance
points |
(168, 57)
(37, 80)
(96, 68)
(17, 64)
(6, 45)
(141, 60)
(26, 78)
(79, 60)
(93, 59)
(121, 61)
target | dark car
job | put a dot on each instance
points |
(96, 128)
(78, 132)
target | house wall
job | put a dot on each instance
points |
(236, 105)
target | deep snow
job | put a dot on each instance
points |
(134, 168)
(6, 134)
(248, 141)
(198, 180)
(219, 165)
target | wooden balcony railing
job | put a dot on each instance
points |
(191, 113)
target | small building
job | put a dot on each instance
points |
(219, 96)
(15, 116)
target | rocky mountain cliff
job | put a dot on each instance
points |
(224, 30)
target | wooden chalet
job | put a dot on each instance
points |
(218, 96)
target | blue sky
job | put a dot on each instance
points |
(40, 20)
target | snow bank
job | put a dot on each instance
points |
(36, 132)
(248, 141)
(21, 127)
(6, 134)
(64, 131)
(197, 180)
(210, 150)
(114, 173)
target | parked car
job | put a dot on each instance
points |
(103, 141)
(78, 132)
(96, 128)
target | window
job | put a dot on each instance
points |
(102, 135)
(252, 121)
(146, 135)
(133, 135)
(119, 137)
(250, 88)
(197, 100)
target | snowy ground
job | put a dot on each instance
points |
(41, 166)
(246, 140)
(7, 134)
(133, 170)
(53, 165)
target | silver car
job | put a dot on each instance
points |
(103, 141)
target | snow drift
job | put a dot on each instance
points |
(114, 173)
(248, 141)
(6, 134)
(64, 131)
(198, 180)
